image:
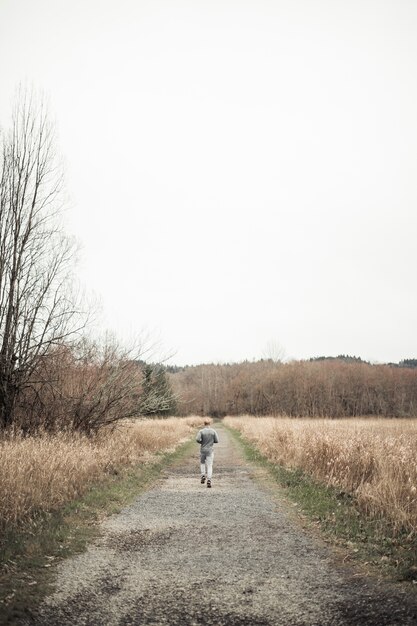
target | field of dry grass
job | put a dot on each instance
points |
(373, 459)
(39, 474)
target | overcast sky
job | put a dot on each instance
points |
(240, 172)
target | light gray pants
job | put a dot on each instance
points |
(206, 461)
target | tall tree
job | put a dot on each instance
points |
(36, 306)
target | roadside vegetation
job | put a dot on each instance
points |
(54, 488)
(43, 472)
(356, 477)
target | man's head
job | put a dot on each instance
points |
(207, 421)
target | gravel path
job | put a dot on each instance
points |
(234, 555)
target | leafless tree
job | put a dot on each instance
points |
(274, 351)
(37, 309)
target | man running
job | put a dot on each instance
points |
(207, 436)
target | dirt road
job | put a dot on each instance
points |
(183, 554)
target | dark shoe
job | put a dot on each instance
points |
(203, 480)
(208, 483)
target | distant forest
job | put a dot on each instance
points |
(342, 386)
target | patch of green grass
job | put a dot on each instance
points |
(27, 555)
(372, 542)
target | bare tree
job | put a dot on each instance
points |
(274, 351)
(36, 307)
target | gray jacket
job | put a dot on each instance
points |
(207, 437)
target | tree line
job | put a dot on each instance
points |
(336, 387)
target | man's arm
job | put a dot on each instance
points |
(216, 437)
(199, 438)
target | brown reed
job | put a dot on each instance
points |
(373, 459)
(39, 474)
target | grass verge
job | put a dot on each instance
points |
(27, 556)
(370, 542)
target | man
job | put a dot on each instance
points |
(207, 436)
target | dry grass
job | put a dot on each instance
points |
(373, 459)
(39, 474)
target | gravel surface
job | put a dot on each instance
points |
(235, 555)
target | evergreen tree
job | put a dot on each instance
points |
(157, 395)
(408, 363)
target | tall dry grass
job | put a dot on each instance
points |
(41, 473)
(373, 459)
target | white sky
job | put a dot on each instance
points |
(239, 171)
